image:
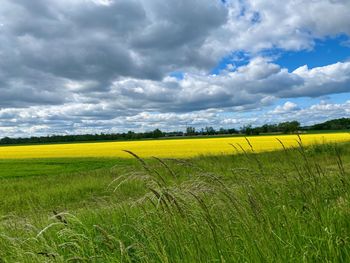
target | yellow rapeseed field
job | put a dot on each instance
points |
(178, 148)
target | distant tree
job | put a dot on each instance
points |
(6, 140)
(337, 124)
(222, 131)
(289, 127)
(232, 131)
(158, 133)
(190, 131)
(130, 135)
(247, 129)
(209, 130)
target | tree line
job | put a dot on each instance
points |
(337, 124)
(283, 127)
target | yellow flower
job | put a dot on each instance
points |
(178, 148)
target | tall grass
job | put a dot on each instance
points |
(287, 206)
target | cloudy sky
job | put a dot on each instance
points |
(82, 66)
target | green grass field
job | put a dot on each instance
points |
(285, 206)
(52, 166)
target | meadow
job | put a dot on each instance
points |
(235, 204)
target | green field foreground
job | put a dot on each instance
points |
(284, 206)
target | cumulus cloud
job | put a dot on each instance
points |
(55, 120)
(250, 86)
(287, 107)
(313, 114)
(145, 104)
(66, 66)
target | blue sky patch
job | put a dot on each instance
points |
(325, 52)
(237, 59)
(177, 74)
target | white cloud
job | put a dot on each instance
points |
(143, 104)
(253, 85)
(287, 107)
(289, 24)
(68, 119)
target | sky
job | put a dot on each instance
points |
(92, 66)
